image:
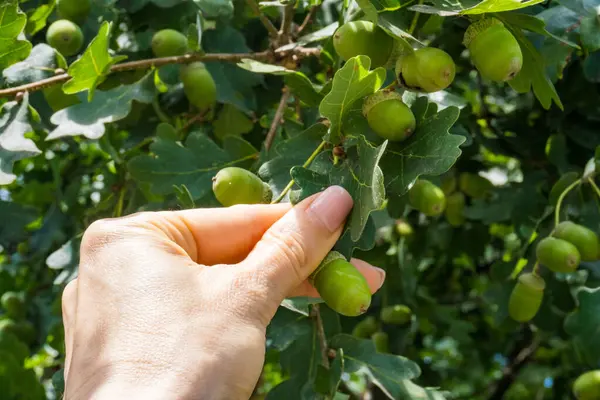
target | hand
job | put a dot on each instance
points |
(175, 305)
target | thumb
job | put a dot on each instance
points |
(295, 245)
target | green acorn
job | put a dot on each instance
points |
(494, 50)
(526, 298)
(343, 288)
(65, 36)
(581, 237)
(233, 185)
(587, 386)
(427, 69)
(169, 43)
(363, 38)
(388, 116)
(427, 198)
(398, 314)
(558, 255)
(199, 85)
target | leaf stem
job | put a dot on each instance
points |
(415, 20)
(263, 19)
(159, 62)
(305, 165)
(560, 201)
(596, 188)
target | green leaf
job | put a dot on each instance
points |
(494, 6)
(12, 22)
(298, 82)
(584, 323)
(392, 374)
(286, 327)
(293, 152)
(359, 174)
(317, 36)
(232, 121)
(41, 64)
(234, 85)
(590, 31)
(15, 217)
(14, 146)
(173, 164)
(215, 8)
(92, 68)
(89, 117)
(351, 83)
(533, 73)
(431, 150)
(533, 24)
(36, 21)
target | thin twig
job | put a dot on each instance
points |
(159, 62)
(278, 118)
(286, 23)
(316, 312)
(307, 19)
(265, 21)
(519, 358)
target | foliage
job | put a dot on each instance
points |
(110, 131)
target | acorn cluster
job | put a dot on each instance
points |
(426, 69)
(372, 328)
(450, 198)
(562, 251)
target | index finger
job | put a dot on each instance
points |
(227, 235)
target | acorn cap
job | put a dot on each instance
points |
(267, 193)
(533, 281)
(331, 256)
(377, 98)
(478, 27)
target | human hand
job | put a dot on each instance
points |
(175, 305)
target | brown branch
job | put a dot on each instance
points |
(286, 23)
(265, 21)
(519, 358)
(307, 19)
(159, 62)
(316, 312)
(278, 118)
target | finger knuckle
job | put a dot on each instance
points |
(291, 250)
(99, 235)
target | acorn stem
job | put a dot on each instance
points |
(306, 165)
(560, 200)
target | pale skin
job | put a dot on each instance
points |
(175, 305)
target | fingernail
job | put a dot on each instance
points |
(381, 276)
(332, 207)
